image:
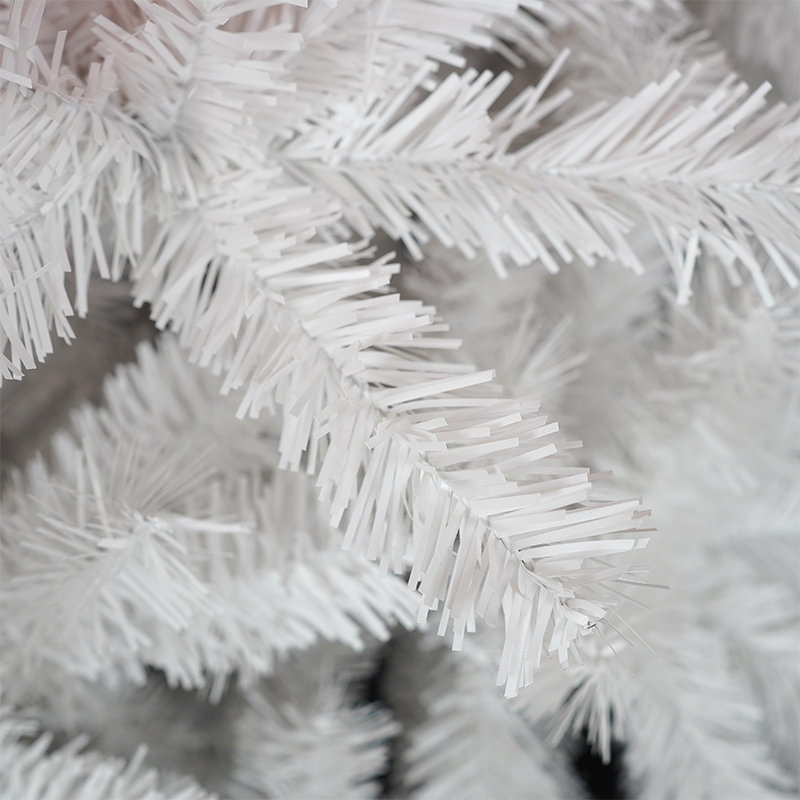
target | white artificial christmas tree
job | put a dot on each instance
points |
(228, 576)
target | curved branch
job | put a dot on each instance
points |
(709, 177)
(453, 477)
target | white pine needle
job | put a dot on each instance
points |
(29, 770)
(298, 737)
(473, 744)
(175, 546)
